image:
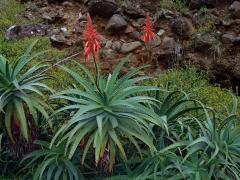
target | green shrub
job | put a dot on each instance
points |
(192, 80)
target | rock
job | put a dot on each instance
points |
(102, 40)
(58, 40)
(116, 46)
(21, 31)
(227, 22)
(163, 13)
(133, 11)
(104, 8)
(201, 18)
(47, 17)
(81, 17)
(129, 29)
(64, 30)
(236, 41)
(67, 4)
(108, 45)
(228, 38)
(116, 24)
(197, 4)
(52, 15)
(161, 32)
(182, 27)
(155, 42)
(135, 35)
(129, 47)
(204, 42)
(170, 50)
(108, 54)
(169, 44)
(235, 9)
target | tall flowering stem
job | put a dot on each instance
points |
(148, 33)
(91, 44)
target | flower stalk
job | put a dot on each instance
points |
(148, 34)
(91, 45)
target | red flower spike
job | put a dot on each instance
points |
(147, 30)
(91, 39)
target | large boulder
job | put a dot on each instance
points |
(21, 31)
(116, 24)
(104, 8)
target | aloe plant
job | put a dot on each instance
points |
(49, 164)
(21, 92)
(106, 114)
(219, 145)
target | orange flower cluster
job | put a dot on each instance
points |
(147, 30)
(91, 39)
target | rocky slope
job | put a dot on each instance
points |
(203, 32)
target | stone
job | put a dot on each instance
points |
(155, 42)
(58, 40)
(135, 35)
(67, 4)
(81, 17)
(169, 44)
(129, 29)
(116, 46)
(204, 42)
(21, 31)
(228, 38)
(108, 44)
(234, 8)
(227, 22)
(116, 24)
(103, 8)
(197, 4)
(52, 15)
(64, 29)
(102, 40)
(236, 41)
(201, 18)
(161, 32)
(182, 27)
(163, 13)
(133, 11)
(129, 47)
(47, 17)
